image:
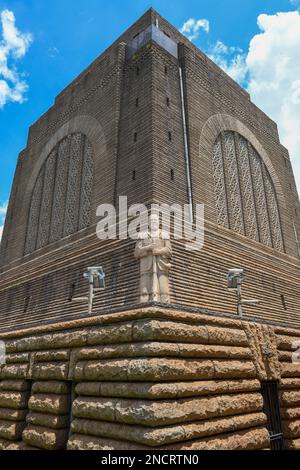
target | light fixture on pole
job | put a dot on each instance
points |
(96, 279)
(235, 278)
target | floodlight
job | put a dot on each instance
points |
(96, 279)
(95, 276)
(235, 278)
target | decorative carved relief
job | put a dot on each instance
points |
(263, 345)
(33, 220)
(46, 205)
(273, 211)
(60, 190)
(260, 197)
(251, 226)
(61, 198)
(220, 193)
(232, 176)
(87, 185)
(244, 185)
(74, 184)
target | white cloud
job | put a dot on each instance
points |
(192, 28)
(3, 209)
(13, 46)
(270, 71)
(231, 59)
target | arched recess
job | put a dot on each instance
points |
(81, 130)
(212, 142)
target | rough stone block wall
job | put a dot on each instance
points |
(288, 343)
(147, 379)
(48, 419)
(14, 395)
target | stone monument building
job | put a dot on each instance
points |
(172, 366)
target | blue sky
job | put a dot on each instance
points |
(67, 35)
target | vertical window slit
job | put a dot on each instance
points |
(283, 301)
(26, 303)
(72, 291)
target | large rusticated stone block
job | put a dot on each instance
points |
(17, 358)
(160, 369)
(56, 387)
(290, 413)
(106, 334)
(11, 430)
(287, 342)
(257, 438)
(159, 413)
(82, 442)
(44, 438)
(49, 356)
(4, 443)
(285, 356)
(110, 334)
(12, 415)
(167, 435)
(157, 349)
(157, 391)
(290, 398)
(292, 444)
(20, 446)
(47, 341)
(14, 371)
(252, 439)
(15, 385)
(291, 428)
(167, 331)
(290, 370)
(48, 420)
(50, 370)
(49, 403)
(290, 383)
(14, 400)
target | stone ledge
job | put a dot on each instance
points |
(156, 391)
(171, 434)
(254, 439)
(158, 413)
(160, 369)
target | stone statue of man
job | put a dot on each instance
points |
(154, 251)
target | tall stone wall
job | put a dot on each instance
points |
(147, 379)
(130, 110)
(197, 279)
